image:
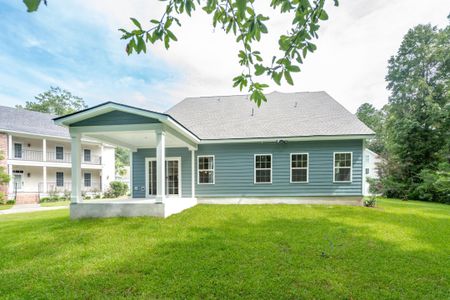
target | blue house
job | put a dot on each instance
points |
(296, 148)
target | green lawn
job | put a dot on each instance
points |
(57, 203)
(398, 250)
(5, 206)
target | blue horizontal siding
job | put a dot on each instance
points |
(139, 169)
(115, 118)
(235, 174)
(234, 169)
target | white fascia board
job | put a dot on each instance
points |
(163, 118)
(288, 139)
(102, 109)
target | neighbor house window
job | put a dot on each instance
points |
(59, 152)
(343, 167)
(263, 168)
(206, 169)
(299, 167)
(17, 150)
(59, 179)
(87, 155)
(87, 179)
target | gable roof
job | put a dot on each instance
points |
(303, 114)
(26, 121)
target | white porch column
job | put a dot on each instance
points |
(76, 167)
(10, 154)
(160, 166)
(44, 150)
(11, 179)
(103, 180)
(44, 179)
(193, 173)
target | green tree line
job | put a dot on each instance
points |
(413, 129)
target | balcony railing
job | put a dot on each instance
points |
(66, 186)
(62, 157)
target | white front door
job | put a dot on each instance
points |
(172, 180)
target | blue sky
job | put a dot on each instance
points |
(56, 47)
(75, 44)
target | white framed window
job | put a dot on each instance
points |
(299, 167)
(59, 179)
(206, 169)
(262, 168)
(17, 150)
(87, 155)
(87, 179)
(342, 166)
(59, 152)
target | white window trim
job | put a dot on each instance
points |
(84, 179)
(299, 168)
(254, 168)
(63, 179)
(351, 167)
(89, 155)
(213, 169)
(56, 156)
(180, 192)
(14, 150)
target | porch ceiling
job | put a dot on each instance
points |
(136, 139)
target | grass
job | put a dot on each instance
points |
(5, 206)
(57, 203)
(398, 250)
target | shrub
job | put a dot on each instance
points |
(11, 202)
(435, 185)
(371, 202)
(98, 196)
(87, 198)
(53, 198)
(116, 189)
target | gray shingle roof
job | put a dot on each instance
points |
(283, 115)
(16, 119)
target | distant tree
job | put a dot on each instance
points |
(418, 123)
(4, 177)
(241, 19)
(55, 101)
(122, 160)
(374, 119)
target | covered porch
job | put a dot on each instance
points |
(162, 159)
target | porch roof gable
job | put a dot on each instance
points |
(86, 118)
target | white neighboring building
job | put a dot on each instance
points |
(37, 155)
(371, 160)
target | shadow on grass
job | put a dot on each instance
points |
(230, 252)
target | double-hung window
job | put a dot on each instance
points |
(205, 167)
(263, 168)
(59, 152)
(87, 155)
(299, 167)
(342, 171)
(87, 179)
(59, 179)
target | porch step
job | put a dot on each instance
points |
(27, 198)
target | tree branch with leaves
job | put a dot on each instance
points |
(239, 18)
